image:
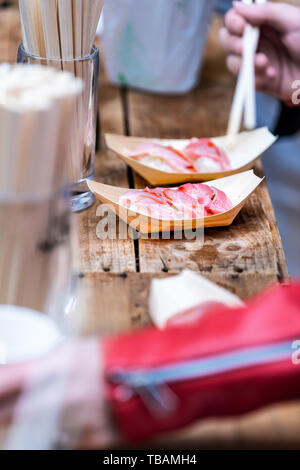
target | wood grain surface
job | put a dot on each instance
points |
(116, 274)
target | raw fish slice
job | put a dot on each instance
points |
(201, 192)
(148, 204)
(174, 159)
(220, 202)
(134, 195)
(159, 192)
(189, 201)
(214, 200)
(158, 211)
(197, 149)
(184, 203)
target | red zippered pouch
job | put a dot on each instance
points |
(228, 362)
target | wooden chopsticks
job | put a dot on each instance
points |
(50, 28)
(59, 29)
(244, 97)
(64, 30)
(36, 107)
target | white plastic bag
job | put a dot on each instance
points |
(155, 45)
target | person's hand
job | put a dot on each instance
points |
(59, 400)
(277, 62)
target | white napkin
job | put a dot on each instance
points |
(176, 294)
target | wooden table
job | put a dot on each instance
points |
(116, 274)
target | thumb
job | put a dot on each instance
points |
(279, 16)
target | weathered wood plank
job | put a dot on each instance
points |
(116, 255)
(113, 303)
(245, 257)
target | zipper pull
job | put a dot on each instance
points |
(160, 400)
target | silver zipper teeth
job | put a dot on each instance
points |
(204, 367)
(152, 385)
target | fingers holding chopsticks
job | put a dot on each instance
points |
(279, 16)
(261, 63)
(241, 40)
(231, 39)
(230, 42)
(261, 40)
(235, 23)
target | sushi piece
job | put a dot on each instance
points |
(206, 156)
(200, 155)
(184, 204)
(220, 202)
(163, 158)
(162, 203)
(213, 200)
(147, 203)
(201, 192)
(189, 201)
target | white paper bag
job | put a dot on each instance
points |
(155, 45)
(176, 294)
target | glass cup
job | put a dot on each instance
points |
(36, 260)
(80, 165)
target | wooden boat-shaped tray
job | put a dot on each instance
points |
(237, 187)
(242, 149)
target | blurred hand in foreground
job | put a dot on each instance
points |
(64, 391)
(277, 61)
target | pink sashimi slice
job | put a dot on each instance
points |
(173, 158)
(134, 195)
(183, 202)
(189, 201)
(157, 192)
(201, 192)
(214, 200)
(199, 148)
(147, 203)
(220, 202)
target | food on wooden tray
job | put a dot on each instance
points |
(162, 158)
(199, 155)
(189, 201)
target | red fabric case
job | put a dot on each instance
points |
(269, 319)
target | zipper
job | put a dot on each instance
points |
(152, 384)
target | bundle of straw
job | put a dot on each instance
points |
(59, 29)
(36, 108)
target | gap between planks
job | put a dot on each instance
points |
(130, 175)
